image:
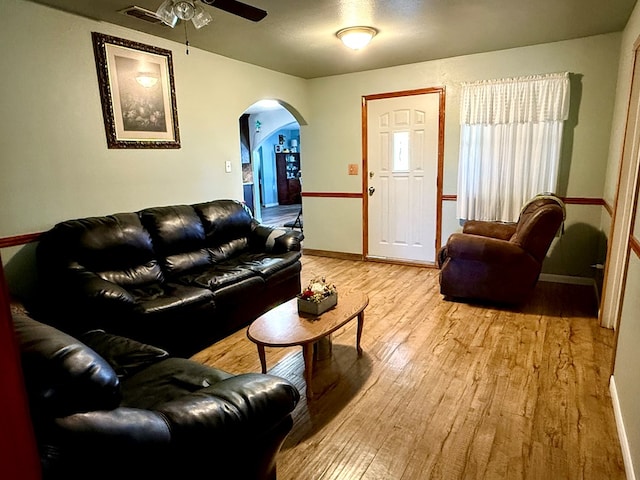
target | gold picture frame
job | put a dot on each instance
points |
(137, 93)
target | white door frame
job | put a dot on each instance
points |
(256, 164)
(365, 165)
(618, 244)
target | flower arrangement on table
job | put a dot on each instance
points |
(317, 290)
(318, 296)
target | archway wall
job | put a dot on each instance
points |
(271, 121)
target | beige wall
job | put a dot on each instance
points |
(627, 379)
(55, 163)
(333, 139)
(623, 89)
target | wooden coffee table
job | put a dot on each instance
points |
(283, 326)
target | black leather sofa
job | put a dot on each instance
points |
(108, 407)
(179, 277)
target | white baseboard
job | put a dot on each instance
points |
(622, 434)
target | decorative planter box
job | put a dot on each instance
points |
(307, 306)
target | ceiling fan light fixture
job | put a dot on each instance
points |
(172, 10)
(184, 9)
(166, 14)
(356, 37)
(201, 17)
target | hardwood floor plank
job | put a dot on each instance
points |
(278, 215)
(447, 390)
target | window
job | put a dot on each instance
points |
(510, 139)
(400, 151)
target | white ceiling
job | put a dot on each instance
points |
(298, 36)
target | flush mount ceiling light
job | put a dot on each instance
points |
(172, 10)
(356, 37)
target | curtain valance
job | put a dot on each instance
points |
(535, 98)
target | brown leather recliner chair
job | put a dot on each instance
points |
(500, 262)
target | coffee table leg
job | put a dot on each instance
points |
(359, 334)
(307, 353)
(263, 358)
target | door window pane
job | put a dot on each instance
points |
(400, 151)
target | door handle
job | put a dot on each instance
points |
(371, 190)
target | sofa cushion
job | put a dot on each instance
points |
(267, 264)
(135, 275)
(116, 247)
(227, 226)
(284, 275)
(178, 237)
(114, 242)
(236, 293)
(125, 355)
(158, 298)
(216, 276)
(225, 251)
(62, 374)
(167, 380)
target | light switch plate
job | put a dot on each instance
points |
(353, 169)
(227, 166)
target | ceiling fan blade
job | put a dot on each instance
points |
(238, 8)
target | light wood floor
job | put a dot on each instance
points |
(279, 215)
(448, 390)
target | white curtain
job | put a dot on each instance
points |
(510, 139)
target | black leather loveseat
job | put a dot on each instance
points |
(179, 277)
(107, 407)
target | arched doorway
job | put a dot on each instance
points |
(270, 152)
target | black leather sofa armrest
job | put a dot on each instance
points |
(91, 286)
(276, 240)
(121, 426)
(249, 403)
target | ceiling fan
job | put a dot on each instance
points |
(170, 11)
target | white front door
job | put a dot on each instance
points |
(404, 162)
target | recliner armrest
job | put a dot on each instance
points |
(244, 404)
(483, 249)
(121, 426)
(503, 231)
(106, 444)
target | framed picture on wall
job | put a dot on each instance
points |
(137, 93)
